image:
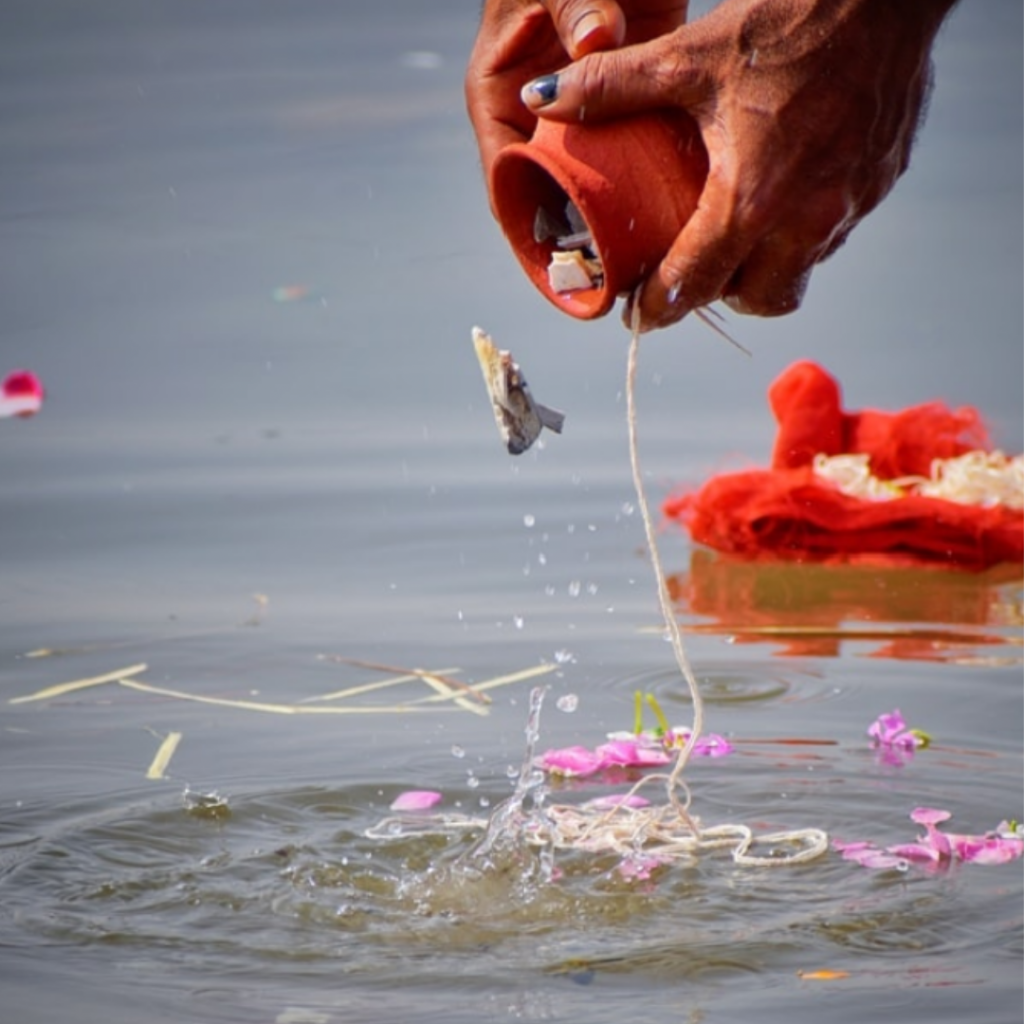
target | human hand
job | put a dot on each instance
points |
(521, 40)
(808, 111)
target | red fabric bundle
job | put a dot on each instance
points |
(790, 512)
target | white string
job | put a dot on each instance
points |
(664, 600)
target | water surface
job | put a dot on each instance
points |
(242, 493)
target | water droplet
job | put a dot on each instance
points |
(591, 589)
(549, 589)
(574, 588)
(485, 801)
(458, 751)
(512, 771)
(529, 521)
(568, 703)
(563, 657)
(518, 621)
(628, 508)
(542, 559)
(472, 782)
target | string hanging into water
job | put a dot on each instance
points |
(668, 832)
(659, 834)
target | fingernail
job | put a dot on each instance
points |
(736, 304)
(591, 22)
(594, 32)
(541, 91)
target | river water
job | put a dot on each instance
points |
(244, 246)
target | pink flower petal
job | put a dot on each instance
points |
(415, 800)
(890, 730)
(936, 848)
(712, 745)
(991, 849)
(630, 754)
(917, 852)
(571, 761)
(867, 855)
(929, 815)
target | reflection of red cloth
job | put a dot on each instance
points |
(789, 512)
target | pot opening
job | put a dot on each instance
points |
(549, 235)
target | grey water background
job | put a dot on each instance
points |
(164, 167)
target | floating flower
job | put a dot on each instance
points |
(578, 762)
(937, 848)
(895, 742)
(708, 745)
(641, 748)
(415, 800)
(21, 394)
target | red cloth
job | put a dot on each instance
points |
(789, 512)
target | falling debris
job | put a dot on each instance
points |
(520, 419)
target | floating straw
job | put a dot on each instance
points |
(79, 684)
(163, 756)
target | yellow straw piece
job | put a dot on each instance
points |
(354, 691)
(445, 691)
(79, 684)
(454, 684)
(163, 756)
(275, 709)
(490, 684)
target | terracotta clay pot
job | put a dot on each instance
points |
(635, 182)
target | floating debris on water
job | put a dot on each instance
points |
(206, 805)
(21, 394)
(416, 800)
(162, 758)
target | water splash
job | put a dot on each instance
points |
(522, 815)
